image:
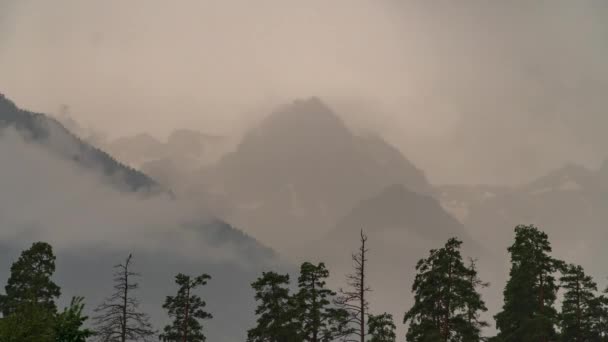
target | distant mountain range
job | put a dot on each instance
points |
(569, 203)
(183, 146)
(85, 266)
(302, 182)
(301, 169)
(398, 209)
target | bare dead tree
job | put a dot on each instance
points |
(354, 299)
(118, 317)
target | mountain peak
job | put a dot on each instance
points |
(306, 114)
(312, 104)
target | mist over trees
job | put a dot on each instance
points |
(446, 290)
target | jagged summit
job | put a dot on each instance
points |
(302, 168)
(303, 123)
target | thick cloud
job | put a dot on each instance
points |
(473, 91)
(93, 226)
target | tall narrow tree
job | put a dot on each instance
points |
(186, 309)
(474, 305)
(319, 320)
(444, 298)
(118, 318)
(576, 319)
(276, 310)
(353, 299)
(528, 312)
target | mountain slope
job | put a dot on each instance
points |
(570, 204)
(399, 209)
(301, 169)
(52, 135)
(94, 224)
(401, 226)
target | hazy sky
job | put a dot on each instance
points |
(471, 91)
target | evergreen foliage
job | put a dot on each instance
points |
(381, 328)
(276, 310)
(28, 306)
(30, 282)
(576, 318)
(445, 298)
(186, 309)
(319, 320)
(528, 312)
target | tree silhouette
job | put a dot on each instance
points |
(186, 309)
(118, 317)
(353, 299)
(276, 310)
(382, 328)
(445, 298)
(528, 312)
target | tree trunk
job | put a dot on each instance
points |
(123, 332)
(186, 315)
(315, 330)
(578, 309)
(362, 288)
(446, 320)
(542, 303)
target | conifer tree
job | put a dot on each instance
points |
(576, 316)
(528, 312)
(30, 281)
(474, 324)
(319, 321)
(118, 317)
(445, 298)
(276, 310)
(186, 309)
(28, 306)
(353, 299)
(598, 311)
(381, 328)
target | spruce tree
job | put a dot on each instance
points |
(319, 320)
(445, 298)
(118, 318)
(186, 309)
(381, 328)
(528, 312)
(276, 310)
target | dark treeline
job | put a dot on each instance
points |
(447, 303)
